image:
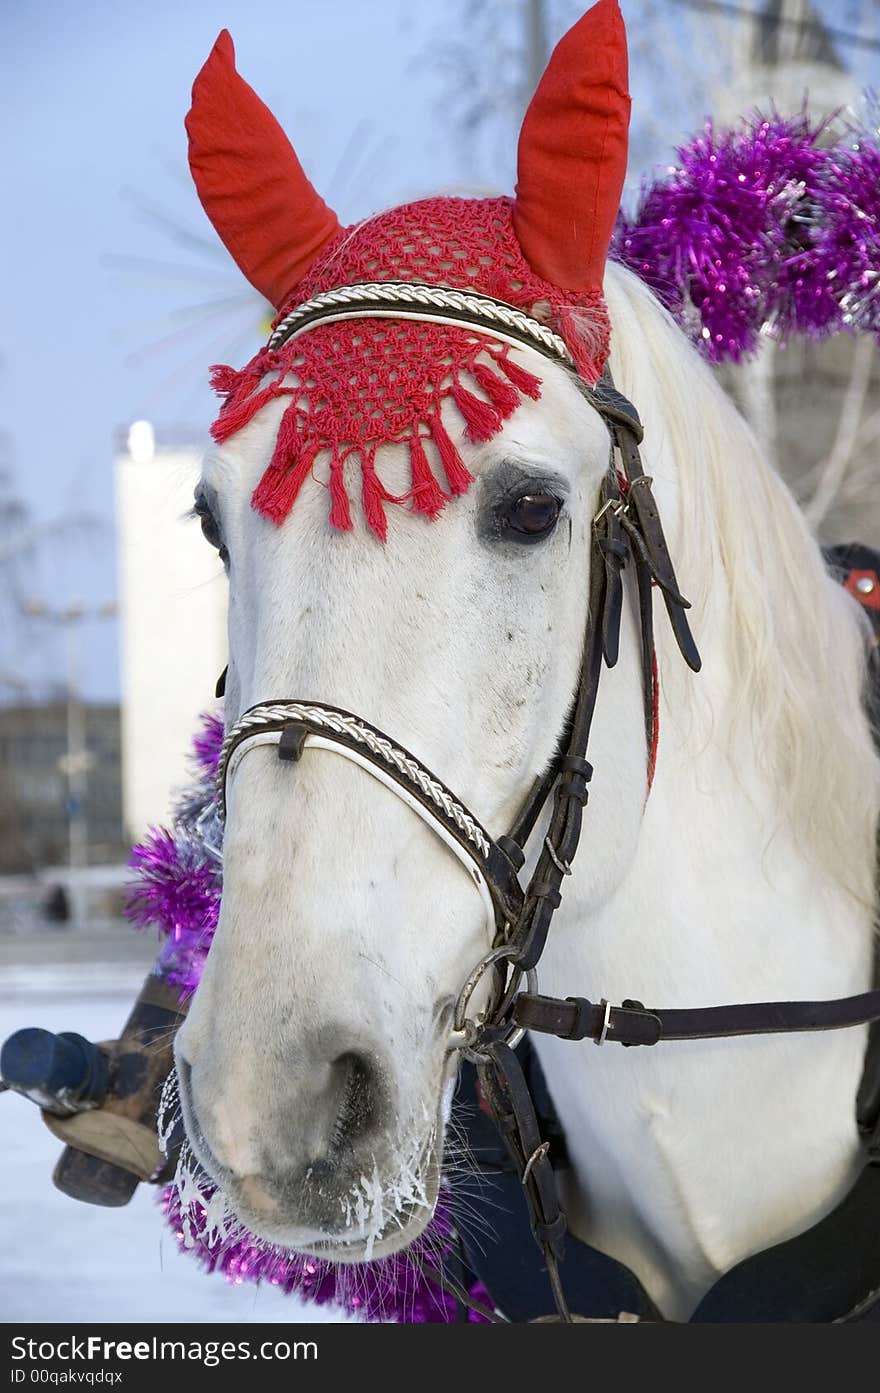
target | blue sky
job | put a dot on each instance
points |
(94, 97)
(91, 336)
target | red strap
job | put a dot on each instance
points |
(655, 711)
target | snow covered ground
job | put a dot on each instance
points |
(64, 1261)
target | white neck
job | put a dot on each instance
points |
(688, 1157)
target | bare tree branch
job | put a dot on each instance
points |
(833, 472)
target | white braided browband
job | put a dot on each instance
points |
(270, 713)
(412, 300)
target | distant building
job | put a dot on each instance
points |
(33, 787)
(172, 623)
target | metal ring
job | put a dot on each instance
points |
(462, 1035)
(495, 955)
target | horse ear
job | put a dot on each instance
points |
(572, 153)
(250, 182)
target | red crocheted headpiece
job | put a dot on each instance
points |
(355, 385)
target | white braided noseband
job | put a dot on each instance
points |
(412, 300)
(260, 717)
(260, 736)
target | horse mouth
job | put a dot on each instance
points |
(374, 1218)
(403, 1226)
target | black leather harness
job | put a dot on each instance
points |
(828, 1274)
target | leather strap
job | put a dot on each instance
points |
(576, 1018)
(510, 1103)
(645, 530)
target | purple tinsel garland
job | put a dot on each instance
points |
(177, 886)
(763, 230)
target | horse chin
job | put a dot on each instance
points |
(411, 1218)
(355, 1243)
(402, 1227)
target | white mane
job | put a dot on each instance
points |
(794, 640)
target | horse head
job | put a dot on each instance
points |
(315, 1064)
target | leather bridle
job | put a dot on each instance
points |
(625, 530)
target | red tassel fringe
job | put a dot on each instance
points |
(340, 512)
(482, 421)
(289, 466)
(224, 380)
(373, 496)
(238, 414)
(503, 396)
(427, 495)
(458, 476)
(522, 379)
(292, 460)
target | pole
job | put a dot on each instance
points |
(536, 44)
(77, 818)
(74, 763)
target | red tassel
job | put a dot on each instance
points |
(233, 417)
(224, 380)
(525, 381)
(427, 495)
(373, 496)
(340, 511)
(289, 466)
(482, 421)
(233, 385)
(504, 397)
(277, 491)
(587, 340)
(655, 712)
(458, 475)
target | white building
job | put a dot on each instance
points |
(172, 623)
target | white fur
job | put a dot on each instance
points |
(747, 876)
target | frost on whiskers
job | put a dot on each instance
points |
(372, 1205)
(205, 1212)
(206, 1215)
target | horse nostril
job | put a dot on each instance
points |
(357, 1095)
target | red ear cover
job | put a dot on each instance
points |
(250, 182)
(573, 152)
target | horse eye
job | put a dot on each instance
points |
(210, 527)
(533, 515)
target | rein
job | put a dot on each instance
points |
(625, 529)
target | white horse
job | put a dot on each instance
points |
(314, 1061)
